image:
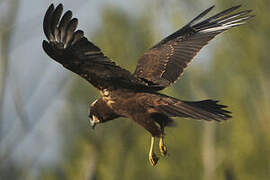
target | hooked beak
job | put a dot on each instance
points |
(93, 121)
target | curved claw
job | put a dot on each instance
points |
(153, 159)
(162, 147)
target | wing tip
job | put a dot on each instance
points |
(224, 20)
(60, 6)
(201, 15)
(237, 6)
(51, 6)
(62, 31)
(49, 18)
(212, 6)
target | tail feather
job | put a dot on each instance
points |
(206, 110)
(212, 107)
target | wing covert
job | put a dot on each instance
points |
(72, 49)
(165, 62)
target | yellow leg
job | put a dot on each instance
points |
(152, 156)
(162, 147)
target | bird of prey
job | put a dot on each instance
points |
(136, 95)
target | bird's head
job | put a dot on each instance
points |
(94, 117)
(100, 113)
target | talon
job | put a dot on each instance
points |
(162, 147)
(153, 159)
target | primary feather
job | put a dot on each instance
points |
(165, 62)
(72, 49)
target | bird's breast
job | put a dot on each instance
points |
(121, 101)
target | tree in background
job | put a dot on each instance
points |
(236, 72)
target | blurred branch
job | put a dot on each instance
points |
(3, 67)
(14, 146)
(19, 106)
(208, 139)
(5, 35)
(21, 113)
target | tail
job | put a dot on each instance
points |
(206, 110)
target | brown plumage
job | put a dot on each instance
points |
(136, 96)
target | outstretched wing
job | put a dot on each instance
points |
(70, 48)
(166, 61)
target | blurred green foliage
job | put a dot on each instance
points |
(237, 74)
